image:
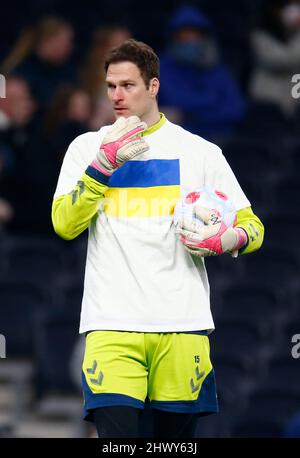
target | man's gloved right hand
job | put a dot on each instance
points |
(214, 237)
(121, 143)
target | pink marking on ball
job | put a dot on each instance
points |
(221, 195)
(192, 197)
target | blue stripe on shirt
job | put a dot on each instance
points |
(139, 174)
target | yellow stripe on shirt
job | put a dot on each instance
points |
(141, 202)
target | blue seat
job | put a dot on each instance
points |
(274, 226)
(275, 268)
(19, 303)
(71, 300)
(288, 195)
(265, 118)
(34, 259)
(56, 334)
(292, 426)
(255, 427)
(222, 269)
(248, 159)
(269, 404)
(283, 374)
(76, 256)
(256, 191)
(238, 339)
(233, 375)
(291, 326)
(249, 302)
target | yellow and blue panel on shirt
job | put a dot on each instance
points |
(143, 189)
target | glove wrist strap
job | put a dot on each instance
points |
(242, 238)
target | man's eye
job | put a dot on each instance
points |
(128, 85)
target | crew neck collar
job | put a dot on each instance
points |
(156, 126)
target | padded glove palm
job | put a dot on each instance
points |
(121, 143)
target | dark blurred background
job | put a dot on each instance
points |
(226, 74)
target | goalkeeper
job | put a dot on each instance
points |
(145, 309)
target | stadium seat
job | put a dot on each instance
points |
(274, 225)
(249, 160)
(19, 303)
(3, 258)
(256, 192)
(72, 298)
(249, 302)
(255, 427)
(241, 340)
(292, 426)
(295, 160)
(56, 393)
(269, 403)
(222, 269)
(77, 256)
(215, 425)
(292, 323)
(288, 195)
(33, 259)
(256, 167)
(233, 375)
(283, 373)
(55, 334)
(265, 118)
(276, 268)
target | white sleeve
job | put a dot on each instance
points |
(79, 155)
(219, 175)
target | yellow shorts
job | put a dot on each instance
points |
(173, 369)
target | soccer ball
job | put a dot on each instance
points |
(207, 198)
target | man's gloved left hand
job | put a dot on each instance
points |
(212, 238)
(122, 142)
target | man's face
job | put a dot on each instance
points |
(127, 90)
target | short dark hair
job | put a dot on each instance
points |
(138, 53)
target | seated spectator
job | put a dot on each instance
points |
(17, 107)
(68, 116)
(28, 178)
(16, 112)
(92, 74)
(42, 56)
(6, 211)
(197, 89)
(276, 53)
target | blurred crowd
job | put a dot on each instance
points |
(55, 93)
(226, 74)
(50, 99)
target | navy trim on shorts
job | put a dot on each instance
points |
(200, 333)
(207, 402)
(95, 400)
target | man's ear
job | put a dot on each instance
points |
(154, 87)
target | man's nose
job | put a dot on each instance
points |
(118, 94)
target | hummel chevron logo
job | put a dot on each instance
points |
(253, 232)
(92, 369)
(97, 381)
(74, 195)
(199, 374)
(81, 186)
(193, 386)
